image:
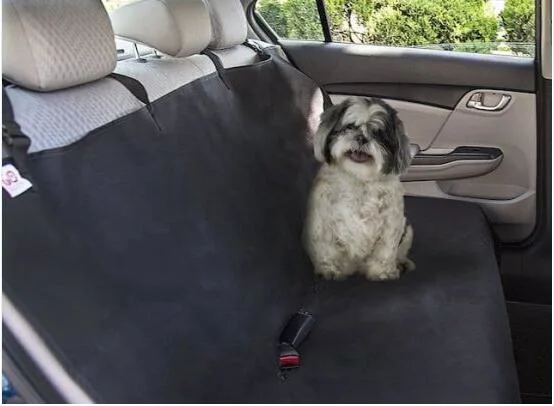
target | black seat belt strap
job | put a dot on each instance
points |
(134, 86)
(255, 47)
(13, 138)
(218, 66)
(138, 90)
(327, 102)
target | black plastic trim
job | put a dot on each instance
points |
(341, 63)
(24, 392)
(446, 97)
(28, 370)
(260, 26)
(324, 20)
(459, 154)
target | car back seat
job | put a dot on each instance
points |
(158, 254)
(151, 250)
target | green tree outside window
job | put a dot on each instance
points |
(456, 25)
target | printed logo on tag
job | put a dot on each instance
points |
(13, 182)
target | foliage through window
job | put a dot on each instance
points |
(505, 27)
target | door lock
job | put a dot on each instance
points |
(488, 101)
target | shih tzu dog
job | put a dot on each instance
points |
(355, 221)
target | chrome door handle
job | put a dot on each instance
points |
(477, 101)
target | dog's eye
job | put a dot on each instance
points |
(350, 127)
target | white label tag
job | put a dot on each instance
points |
(13, 182)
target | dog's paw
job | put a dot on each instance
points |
(406, 265)
(329, 273)
(334, 276)
(382, 277)
(382, 273)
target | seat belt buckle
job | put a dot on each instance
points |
(14, 137)
(294, 333)
(297, 328)
(289, 358)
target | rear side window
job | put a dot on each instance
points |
(292, 19)
(504, 27)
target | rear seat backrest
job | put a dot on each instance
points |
(178, 29)
(171, 38)
(59, 67)
(229, 31)
(172, 233)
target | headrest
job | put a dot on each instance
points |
(175, 27)
(229, 26)
(51, 45)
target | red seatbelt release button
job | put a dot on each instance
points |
(288, 357)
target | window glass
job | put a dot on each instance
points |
(505, 27)
(292, 19)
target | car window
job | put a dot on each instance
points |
(504, 27)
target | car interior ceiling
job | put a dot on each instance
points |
(156, 254)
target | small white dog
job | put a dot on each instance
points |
(355, 220)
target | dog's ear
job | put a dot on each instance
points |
(393, 139)
(402, 158)
(324, 134)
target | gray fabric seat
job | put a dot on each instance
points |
(183, 31)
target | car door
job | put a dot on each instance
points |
(472, 82)
(473, 115)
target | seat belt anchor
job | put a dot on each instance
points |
(14, 137)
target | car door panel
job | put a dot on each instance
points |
(341, 63)
(440, 96)
(431, 90)
(507, 194)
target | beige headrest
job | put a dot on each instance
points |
(175, 27)
(229, 26)
(54, 44)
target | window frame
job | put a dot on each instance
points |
(324, 21)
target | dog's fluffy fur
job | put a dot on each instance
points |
(356, 219)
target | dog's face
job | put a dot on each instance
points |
(363, 136)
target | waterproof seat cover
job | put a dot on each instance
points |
(166, 254)
(160, 257)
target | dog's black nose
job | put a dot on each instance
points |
(360, 139)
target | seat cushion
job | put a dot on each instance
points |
(439, 334)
